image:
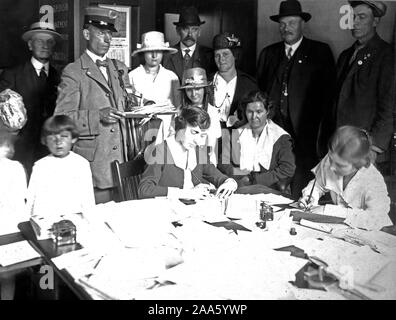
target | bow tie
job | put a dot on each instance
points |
(102, 63)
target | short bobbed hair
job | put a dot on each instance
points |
(256, 96)
(57, 124)
(353, 145)
(194, 116)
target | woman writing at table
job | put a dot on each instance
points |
(357, 189)
(259, 152)
(174, 166)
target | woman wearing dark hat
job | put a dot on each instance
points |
(230, 84)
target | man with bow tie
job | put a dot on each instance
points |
(36, 81)
(365, 79)
(91, 93)
(190, 54)
(298, 74)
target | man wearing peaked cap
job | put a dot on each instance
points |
(191, 54)
(365, 76)
(36, 81)
(90, 92)
(298, 74)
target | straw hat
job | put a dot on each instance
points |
(194, 78)
(153, 41)
(41, 27)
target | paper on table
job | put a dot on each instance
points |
(17, 252)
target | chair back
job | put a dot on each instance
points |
(127, 177)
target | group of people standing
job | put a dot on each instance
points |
(271, 130)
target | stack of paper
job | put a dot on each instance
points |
(17, 252)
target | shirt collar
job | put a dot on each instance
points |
(95, 57)
(38, 65)
(183, 47)
(293, 46)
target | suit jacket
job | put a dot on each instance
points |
(202, 57)
(83, 91)
(365, 90)
(159, 176)
(310, 88)
(39, 99)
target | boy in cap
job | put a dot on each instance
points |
(190, 54)
(365, 76)
(36, 81)
(90, 93)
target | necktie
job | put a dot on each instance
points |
(357, 48)
(187, 57)
(43, 74)
(104, 64)
(289, 53)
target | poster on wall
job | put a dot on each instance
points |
(60, 13)
(120, 47)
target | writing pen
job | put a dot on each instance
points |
(310, 196)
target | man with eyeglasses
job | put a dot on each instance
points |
(190, 54)
(36, 81)
(299, 75)
(91, 93)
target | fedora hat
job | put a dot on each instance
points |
(290, 8)
(194, 78)
(41, 27)
(189, 17)
(153, 41)
(378, 7)
(102, 18)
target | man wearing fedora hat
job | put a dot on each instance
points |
(298, 74)
(91, 92)
(364, 96)
(36, 81)
(191, 54)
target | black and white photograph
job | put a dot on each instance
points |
(197, 155)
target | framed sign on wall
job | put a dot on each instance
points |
(120, 47)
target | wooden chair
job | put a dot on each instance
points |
(127, 177)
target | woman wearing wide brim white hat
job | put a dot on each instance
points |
(152, 80)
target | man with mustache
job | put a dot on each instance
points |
(298, 74)
(190, 54)
(91, 94)
(365, 79)
(36, 81)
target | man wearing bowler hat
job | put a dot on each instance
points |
(298, 74)
(190, 53)
(90, 92)
(36, 81)
(365, 76)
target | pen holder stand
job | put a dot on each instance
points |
(266, 214)
(64, 233)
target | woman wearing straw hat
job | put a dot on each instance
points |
(151, 79)
(196, 91)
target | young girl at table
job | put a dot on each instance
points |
(175, 168)
(357, 188)
(61, 183)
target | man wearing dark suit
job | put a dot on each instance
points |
(91, 93)
(365, 78)
(36, 81)
(190, 54)
(299, 75)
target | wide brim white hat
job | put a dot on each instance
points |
(41, 27)
(153, 41)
